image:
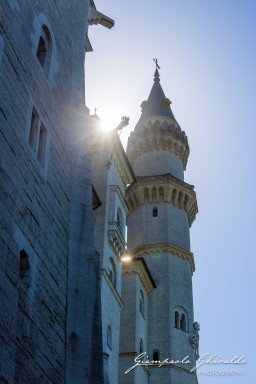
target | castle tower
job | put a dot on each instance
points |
(157, 317)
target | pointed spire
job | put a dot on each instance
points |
(157, 104)
(157, 76)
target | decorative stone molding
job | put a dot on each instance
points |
(95, 17)
(163, 188)
(105, 275)
(116, 238)
(144, 250)
(121, 161)
(115, 189)
(139, 267)
(125, 354)
(156, 133)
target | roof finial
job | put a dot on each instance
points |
(157, 66)
(157, 77)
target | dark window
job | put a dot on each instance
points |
(41, 51)
(181, 320)
(141, 303)
(155, 212)
(24, 264)
(33, 129)
(112, 271)
(156, 355)
(183, 324)
(38, 137)
(109, 337)
(44, 50)
(141, 349)
(42, 144)
(177, 320)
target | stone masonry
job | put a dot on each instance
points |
(50, 327)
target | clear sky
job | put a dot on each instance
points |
(207, 54)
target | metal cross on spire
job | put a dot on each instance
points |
(157, 66)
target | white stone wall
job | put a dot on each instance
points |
(134, 327)
(158, 162)
(110, 187)
(169, 227)
(173, 278)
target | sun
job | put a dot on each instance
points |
(107, 121)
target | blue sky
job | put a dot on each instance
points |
(207, 54)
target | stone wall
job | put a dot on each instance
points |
(41, 207)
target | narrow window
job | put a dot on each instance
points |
(183, 322)
(41, 51)
(24, 264)
(44, 50)
(119, 219)
(141, 303)
(38, 137)
(42, 144)
(33, 130)
(109, 336)
(156, 355)
(141, 349)
(112, 271)
(177, 320)
(155, 212)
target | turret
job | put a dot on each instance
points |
(158, 145)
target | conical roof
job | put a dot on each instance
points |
(157, 103)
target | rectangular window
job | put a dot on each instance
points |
(38, 137)
(33, 130)
(42, 144)
(155, 212)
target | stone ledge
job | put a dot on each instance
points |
(116, 239)
(118, 298)
(138, 266)
(144, 250)
(162, 188)
(155, 134)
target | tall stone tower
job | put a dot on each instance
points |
(157, 283)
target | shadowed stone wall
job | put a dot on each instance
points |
(49, 284)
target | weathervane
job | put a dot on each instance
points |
(157, 66)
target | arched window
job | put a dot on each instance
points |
(141, 303)
(181, 319)
(177, 319)
(141, 348)
(112, 271)
(44, 50)
(183, 322)
(155, 212)
(156, 355)
(109, 337)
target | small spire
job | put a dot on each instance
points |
(156, 75)
(95, 111)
